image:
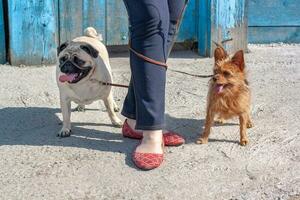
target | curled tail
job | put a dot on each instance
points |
(91, 32)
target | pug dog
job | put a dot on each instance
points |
(83, 64)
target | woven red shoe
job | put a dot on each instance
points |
(170, 138)
(147, 161)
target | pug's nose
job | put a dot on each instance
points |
(67, 68)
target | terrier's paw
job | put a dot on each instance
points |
(117, 123)
(116, 108)
(250, 124)
(244, 141)
(65, 132)
(220, 121)
(202, 141)
(80, 108)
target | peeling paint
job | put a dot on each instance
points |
(33, 32)
(230, 13)
(229, 22)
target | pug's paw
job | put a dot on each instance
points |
(65, 132)
(80, 108)
(117, 122)
(116, 108)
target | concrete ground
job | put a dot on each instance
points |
(95, 162)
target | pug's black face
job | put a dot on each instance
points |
(72, 66)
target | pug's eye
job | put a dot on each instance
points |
(227, 74)
(63, 59)
(78, 61)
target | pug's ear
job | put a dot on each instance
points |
(90, 50)
(62, 47)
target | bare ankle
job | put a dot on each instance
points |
(155, 135)
(151, 142)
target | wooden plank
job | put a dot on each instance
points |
(188, 26)
(32, 32)
(94, 15)
(2, 36)
(117, 23)
(229, 21)
(274, 13)
(70, 19)
(204, 27)
(274, 34)
(75, 17)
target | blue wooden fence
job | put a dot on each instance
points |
(36, 27)
(229, 22)
(110, 19)
(33, 33)
(2, 36)
(274, 21)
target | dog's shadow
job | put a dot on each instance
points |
(191, 129)
(38, 126)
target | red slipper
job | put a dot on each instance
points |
(170, 138)
(147, 161)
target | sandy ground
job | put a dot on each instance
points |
(95, 163)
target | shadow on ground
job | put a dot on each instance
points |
(38, 126)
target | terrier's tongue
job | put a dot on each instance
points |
(219, 88)
(67, 77)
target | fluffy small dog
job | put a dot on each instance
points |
(228, 95)
(83, 64)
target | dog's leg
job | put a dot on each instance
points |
(80, 108)
(109, 104)
(243, 128)
(249, 121)
(220, 120)
(65, 105)
(116, 107)
(203, 139)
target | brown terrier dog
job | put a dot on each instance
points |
(228, 95)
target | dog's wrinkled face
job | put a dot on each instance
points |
(228, 72)
(76, 61)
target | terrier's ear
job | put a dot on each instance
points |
(238, 59)
(220, 54)
(62, 47)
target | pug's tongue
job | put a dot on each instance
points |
(219, 88)
(67, 77)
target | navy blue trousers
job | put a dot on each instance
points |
(153, 25)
